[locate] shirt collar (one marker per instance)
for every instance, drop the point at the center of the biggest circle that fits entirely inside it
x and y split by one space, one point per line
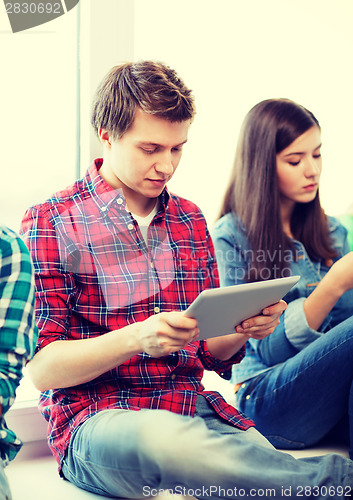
104 195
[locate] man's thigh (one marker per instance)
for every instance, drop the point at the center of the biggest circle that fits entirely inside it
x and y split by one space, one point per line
114 451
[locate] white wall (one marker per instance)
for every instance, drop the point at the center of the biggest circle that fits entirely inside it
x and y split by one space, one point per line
234 54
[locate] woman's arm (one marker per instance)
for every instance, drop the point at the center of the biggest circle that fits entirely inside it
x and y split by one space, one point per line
335 283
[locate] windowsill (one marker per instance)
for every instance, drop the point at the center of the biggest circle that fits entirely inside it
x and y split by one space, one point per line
27 422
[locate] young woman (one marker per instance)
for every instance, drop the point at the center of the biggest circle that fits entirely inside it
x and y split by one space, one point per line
296 383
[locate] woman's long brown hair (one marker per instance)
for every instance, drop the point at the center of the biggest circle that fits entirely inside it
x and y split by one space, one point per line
253 194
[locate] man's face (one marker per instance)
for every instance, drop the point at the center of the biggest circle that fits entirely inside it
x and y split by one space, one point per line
145 158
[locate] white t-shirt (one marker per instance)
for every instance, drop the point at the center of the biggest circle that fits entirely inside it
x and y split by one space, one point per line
144 222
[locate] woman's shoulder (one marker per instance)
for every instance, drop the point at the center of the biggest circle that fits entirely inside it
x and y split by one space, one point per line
229 223
229 228
338 233
335 225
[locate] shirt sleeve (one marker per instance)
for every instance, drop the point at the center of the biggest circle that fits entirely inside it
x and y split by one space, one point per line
296 325
290 336
18 331
54 283
223 368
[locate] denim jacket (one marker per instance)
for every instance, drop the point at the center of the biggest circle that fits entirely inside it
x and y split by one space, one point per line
293 333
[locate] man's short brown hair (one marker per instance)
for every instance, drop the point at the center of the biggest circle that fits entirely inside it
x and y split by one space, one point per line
152 86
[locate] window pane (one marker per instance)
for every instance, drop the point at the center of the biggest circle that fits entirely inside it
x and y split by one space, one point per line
38 130
38 105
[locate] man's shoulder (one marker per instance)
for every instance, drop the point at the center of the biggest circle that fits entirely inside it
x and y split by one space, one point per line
183 205
78 194
59 201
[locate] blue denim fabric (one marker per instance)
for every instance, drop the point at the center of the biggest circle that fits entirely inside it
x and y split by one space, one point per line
296 383
137 454
5 493
302 400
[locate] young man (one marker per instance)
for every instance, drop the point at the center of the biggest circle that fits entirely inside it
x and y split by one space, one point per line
117 259
18 335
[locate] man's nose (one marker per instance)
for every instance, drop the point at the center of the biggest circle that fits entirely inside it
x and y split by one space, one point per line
165 163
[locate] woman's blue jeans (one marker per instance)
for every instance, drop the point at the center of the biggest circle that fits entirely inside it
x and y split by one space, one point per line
309 396
136 454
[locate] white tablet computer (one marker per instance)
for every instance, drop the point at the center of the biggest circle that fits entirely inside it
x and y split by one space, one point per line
219 310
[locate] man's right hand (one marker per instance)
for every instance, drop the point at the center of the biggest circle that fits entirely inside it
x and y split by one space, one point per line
165 333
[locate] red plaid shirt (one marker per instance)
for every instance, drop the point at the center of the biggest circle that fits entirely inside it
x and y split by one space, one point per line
94 273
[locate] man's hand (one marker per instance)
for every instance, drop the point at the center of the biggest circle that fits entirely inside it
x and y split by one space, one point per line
257 327
261 326
165 333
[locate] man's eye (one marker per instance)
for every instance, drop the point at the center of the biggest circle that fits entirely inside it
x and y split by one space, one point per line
148 151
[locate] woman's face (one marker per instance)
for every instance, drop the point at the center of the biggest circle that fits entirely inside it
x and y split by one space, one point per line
299 168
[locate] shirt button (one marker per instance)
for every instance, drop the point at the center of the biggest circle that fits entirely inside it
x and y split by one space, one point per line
243 385
119 201
152 265
248 396
130 227
156 309
104 209
173 377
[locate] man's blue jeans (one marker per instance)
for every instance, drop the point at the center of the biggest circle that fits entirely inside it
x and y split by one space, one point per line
137 454
309 396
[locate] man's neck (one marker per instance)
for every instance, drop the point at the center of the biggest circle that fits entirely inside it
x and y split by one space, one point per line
136 203
141 209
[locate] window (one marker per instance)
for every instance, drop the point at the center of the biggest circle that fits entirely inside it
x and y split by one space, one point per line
39 125
38 103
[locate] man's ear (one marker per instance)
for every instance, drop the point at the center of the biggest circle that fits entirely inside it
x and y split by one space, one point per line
104 137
